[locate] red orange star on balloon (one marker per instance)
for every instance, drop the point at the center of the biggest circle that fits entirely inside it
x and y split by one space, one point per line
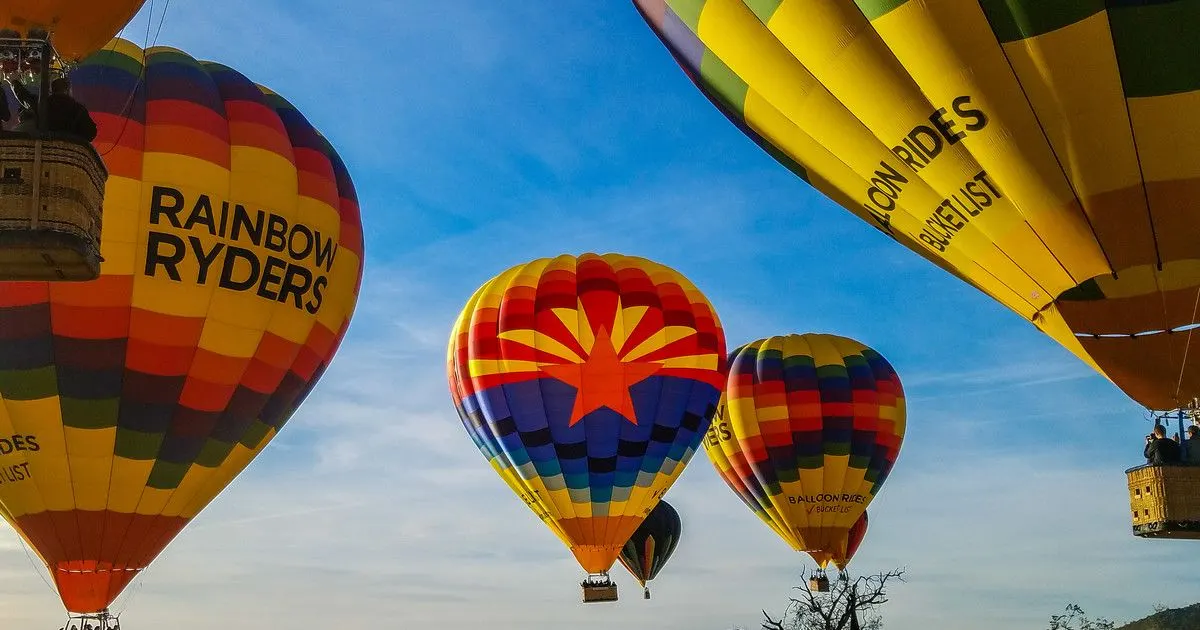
602 379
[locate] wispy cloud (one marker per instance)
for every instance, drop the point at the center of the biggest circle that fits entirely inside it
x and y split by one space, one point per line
1030 373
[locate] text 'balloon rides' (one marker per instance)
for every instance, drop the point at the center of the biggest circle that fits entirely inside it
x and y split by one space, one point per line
651 546
1047 153
809 429
232 260
77 28
588 383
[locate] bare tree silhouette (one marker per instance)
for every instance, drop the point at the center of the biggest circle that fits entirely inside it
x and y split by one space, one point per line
835 610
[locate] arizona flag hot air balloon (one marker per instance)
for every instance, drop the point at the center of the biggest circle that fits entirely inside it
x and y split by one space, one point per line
232 261
1047 153
588 383
76 28
809 429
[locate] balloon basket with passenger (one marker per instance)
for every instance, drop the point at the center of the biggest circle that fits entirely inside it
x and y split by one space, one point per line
51 181
1164 498
598 587
93 621
819 582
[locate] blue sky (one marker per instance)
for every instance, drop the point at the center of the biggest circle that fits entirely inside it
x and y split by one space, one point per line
481 134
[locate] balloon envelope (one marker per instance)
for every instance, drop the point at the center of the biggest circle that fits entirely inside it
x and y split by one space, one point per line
651 546
78 28
232 258
809 429
1047 155
588 383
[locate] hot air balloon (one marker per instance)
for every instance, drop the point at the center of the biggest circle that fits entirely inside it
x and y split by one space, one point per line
588 382
1047 155
232 263
76 29
808 430
648 550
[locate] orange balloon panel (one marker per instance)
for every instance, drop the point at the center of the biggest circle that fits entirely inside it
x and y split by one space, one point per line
77 27
232 260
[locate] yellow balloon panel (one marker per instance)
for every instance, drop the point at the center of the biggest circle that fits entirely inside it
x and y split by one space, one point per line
1046 153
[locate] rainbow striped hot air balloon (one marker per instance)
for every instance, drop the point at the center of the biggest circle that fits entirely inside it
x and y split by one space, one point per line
808 431
588 383
232 261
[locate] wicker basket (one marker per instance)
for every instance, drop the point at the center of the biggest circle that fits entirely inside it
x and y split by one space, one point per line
51 200
1165 501
599 592
818 584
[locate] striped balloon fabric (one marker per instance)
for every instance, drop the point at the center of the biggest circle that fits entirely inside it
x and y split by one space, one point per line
588 383
1047 152
232 260
809 428
650 547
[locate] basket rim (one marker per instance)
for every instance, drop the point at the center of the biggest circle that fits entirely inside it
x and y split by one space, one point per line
52 136
1172 465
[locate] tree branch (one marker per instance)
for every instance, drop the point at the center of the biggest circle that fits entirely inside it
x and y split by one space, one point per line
809 610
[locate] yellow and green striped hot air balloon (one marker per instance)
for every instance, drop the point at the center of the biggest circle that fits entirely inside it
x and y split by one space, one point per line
808 430
1045 151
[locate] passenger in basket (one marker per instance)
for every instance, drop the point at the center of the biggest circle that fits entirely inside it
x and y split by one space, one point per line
1192 445
1160 450
64 114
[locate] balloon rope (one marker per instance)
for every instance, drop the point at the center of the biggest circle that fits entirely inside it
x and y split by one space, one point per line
137 588
1187 346
35 567
146 43
162 17
136 86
